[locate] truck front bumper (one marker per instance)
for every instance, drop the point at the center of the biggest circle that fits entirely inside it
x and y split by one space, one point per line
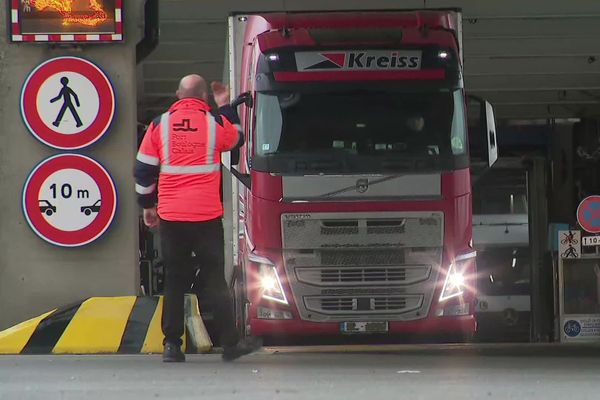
436 326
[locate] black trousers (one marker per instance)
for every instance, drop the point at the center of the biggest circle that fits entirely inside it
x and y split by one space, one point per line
205 239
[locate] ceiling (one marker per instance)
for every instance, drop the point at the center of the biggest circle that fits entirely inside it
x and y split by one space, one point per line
534 59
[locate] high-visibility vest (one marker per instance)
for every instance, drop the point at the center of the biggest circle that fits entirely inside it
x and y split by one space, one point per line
185 146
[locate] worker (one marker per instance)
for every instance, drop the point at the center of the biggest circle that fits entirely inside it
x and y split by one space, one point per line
181 149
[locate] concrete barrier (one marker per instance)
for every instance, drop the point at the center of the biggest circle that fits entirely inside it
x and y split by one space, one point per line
109 325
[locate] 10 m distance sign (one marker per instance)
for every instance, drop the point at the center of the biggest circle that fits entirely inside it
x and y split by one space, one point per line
69 200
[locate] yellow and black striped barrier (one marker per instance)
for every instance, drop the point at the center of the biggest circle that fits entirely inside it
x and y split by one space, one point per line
117 325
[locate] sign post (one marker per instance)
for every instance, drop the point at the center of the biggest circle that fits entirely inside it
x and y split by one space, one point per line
579 277
69 200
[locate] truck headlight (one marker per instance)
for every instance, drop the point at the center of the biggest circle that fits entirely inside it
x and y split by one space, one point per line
454 284
271 285
268 279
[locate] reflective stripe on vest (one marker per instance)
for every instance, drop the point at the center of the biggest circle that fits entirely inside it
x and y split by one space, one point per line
207 168
164 131
212 138
190 169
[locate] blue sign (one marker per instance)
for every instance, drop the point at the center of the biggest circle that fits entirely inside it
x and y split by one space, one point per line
588 214
572 328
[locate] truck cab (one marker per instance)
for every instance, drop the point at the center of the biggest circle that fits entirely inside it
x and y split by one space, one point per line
352 195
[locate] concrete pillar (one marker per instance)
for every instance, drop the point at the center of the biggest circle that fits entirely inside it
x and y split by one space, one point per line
36 276
562 198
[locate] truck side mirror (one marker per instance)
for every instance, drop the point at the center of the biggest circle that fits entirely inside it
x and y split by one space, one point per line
483 142
492 142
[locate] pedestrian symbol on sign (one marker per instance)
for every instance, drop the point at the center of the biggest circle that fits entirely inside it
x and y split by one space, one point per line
66 93
570 253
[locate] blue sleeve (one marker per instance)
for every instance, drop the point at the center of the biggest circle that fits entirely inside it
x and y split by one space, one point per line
232 116
147 169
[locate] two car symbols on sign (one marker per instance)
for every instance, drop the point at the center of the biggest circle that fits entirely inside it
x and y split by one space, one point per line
48 208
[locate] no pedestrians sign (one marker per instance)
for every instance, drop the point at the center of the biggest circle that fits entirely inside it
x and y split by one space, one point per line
67 103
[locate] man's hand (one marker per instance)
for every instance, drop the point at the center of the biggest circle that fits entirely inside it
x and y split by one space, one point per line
151 217
220 93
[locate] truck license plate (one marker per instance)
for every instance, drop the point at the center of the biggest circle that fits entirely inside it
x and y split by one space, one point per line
364 327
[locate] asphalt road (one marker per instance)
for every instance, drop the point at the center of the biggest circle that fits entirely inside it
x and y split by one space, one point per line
348 372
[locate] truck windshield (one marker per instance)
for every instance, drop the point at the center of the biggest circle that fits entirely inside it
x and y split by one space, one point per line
359 132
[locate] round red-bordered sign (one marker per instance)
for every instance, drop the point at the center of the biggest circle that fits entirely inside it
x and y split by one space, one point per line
69 200
588 214
67 103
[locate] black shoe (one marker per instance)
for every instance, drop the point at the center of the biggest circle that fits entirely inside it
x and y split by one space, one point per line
172 353
243 347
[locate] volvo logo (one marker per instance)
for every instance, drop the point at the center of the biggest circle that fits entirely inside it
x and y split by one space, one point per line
362 185
295 224
296 216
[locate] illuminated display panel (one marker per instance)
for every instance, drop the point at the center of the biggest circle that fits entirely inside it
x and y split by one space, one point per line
66 20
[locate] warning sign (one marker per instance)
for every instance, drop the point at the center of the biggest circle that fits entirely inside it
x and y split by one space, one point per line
569 244
588 214
67 103
69 200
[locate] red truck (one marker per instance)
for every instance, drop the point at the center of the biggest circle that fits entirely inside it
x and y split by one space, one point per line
349 209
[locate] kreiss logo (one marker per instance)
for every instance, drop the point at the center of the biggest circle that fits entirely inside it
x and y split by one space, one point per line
359 60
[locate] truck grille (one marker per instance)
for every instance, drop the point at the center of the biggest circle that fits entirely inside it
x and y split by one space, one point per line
362 266
348 305
363 275
338 304
362 257
389 303
324 276
373 227
339 228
